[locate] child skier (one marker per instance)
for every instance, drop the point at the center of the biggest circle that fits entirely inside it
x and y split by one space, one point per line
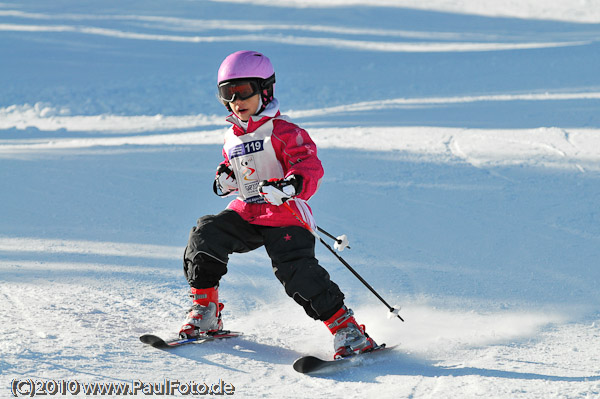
269 161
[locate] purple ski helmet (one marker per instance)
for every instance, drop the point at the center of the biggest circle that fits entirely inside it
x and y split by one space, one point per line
248 66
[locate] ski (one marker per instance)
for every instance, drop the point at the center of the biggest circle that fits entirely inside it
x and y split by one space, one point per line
158 342
313 364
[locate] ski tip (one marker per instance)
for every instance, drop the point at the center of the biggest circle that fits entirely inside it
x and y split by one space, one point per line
153 340
312 364
307 364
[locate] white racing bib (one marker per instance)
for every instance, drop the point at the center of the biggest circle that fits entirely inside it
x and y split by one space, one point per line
253 160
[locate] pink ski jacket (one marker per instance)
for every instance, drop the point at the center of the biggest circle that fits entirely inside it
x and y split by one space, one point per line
271 147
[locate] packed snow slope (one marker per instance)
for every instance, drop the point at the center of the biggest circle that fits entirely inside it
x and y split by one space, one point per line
461 144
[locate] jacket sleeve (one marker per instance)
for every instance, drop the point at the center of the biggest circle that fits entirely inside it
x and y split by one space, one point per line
225 163
297 154
225 159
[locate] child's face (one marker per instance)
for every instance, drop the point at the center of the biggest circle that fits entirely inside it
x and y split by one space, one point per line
243 109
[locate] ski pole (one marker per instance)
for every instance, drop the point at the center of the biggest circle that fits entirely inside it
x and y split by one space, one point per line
358 276
331 236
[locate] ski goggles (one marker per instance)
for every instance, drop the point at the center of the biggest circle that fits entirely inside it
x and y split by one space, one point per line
241 90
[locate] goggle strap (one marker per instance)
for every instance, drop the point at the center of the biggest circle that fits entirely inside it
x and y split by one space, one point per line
268 81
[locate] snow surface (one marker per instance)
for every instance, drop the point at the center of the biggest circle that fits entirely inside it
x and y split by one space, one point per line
461 142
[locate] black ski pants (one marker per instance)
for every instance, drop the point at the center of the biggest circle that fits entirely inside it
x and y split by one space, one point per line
292 253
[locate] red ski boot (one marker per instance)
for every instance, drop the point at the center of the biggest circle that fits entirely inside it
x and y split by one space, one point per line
350 337
204 315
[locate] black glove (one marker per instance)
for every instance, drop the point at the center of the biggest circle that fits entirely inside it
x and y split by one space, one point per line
224 181
278 191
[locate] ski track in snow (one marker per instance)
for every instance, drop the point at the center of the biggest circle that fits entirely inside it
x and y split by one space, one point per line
482 43
296 40
461 144
552 147
564 10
